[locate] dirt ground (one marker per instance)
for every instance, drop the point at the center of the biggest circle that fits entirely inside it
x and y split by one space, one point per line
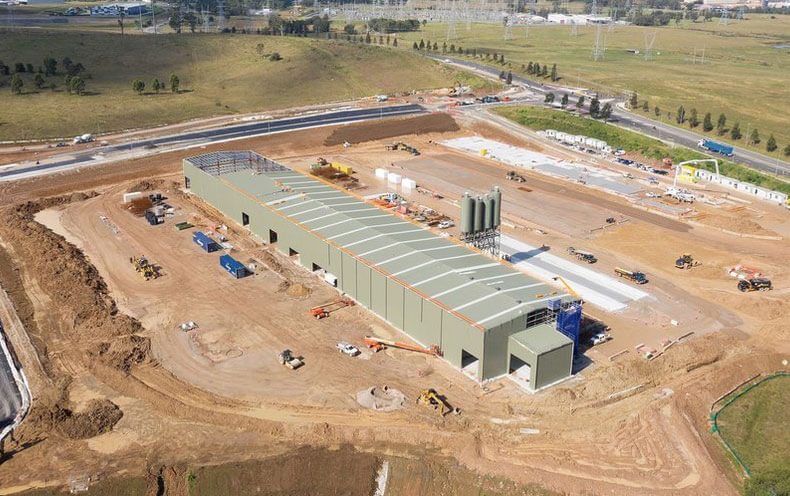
216 394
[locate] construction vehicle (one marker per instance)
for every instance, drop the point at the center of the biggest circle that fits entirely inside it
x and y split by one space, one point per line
323 311
402 146
634 276
288 359
513 176
567 286
321 161
144 267
686 261
584 256
755 284
378 344
433 399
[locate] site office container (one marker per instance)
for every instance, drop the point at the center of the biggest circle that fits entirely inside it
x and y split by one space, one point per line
233 266
205 242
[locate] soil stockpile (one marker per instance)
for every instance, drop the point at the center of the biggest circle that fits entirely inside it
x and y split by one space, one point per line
376 130
88 316
97 418
383 399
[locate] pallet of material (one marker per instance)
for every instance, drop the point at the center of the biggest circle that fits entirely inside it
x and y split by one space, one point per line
183 225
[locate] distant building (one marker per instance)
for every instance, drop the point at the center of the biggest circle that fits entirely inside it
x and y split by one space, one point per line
114 9
578 19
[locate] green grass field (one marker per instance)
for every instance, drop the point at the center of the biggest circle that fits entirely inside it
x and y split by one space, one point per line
756 427
744 76
221 74
538 119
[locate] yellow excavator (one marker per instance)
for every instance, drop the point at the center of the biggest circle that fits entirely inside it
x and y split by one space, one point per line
431 398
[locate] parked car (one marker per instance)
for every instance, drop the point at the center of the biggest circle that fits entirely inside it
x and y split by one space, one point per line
598 339
347 348
445 224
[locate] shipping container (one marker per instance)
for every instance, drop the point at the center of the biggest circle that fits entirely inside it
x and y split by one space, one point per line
233 266
153 219
205 242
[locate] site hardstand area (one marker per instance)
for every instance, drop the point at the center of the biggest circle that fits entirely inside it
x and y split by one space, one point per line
488 318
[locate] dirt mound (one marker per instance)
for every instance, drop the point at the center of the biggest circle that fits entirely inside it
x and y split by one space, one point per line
383 399
298 290
88 316
371 131
735 224
98 417
146 185
124 352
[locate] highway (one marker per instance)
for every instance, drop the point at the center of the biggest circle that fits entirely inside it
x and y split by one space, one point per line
635 122
207 136
10 396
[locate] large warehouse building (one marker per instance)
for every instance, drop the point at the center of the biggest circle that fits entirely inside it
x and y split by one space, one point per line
488 318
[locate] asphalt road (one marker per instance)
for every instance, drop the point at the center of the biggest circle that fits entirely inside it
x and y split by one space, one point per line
637 122
208 136
10 397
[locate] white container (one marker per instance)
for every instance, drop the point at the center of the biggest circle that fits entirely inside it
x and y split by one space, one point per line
394 178
381 173
128 197
408 183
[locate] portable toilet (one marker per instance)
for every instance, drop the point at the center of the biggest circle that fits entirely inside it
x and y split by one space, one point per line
233 266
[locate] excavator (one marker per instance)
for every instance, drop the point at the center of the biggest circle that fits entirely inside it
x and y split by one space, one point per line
430 397
686 261
378 344
323 311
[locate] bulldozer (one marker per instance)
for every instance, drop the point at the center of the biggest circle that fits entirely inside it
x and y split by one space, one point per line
754 284
433 399
686 261
144 267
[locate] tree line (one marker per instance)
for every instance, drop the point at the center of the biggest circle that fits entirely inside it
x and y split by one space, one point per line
43 77
681 116
138 85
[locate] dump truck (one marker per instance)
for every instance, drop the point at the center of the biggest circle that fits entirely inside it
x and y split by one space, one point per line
715 147
685 261
288 359
754 284
584 256
634 276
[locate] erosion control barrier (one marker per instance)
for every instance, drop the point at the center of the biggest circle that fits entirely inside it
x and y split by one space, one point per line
714 416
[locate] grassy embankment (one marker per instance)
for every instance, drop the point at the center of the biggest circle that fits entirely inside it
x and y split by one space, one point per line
743 76
220 75
755 426
538 119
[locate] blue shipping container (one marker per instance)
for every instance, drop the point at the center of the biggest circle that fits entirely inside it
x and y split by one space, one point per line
233 266
205 242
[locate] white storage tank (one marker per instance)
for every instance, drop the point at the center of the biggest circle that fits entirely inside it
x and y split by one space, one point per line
394 178
408 183
381 173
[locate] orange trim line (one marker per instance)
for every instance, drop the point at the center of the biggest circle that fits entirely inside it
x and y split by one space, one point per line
348 252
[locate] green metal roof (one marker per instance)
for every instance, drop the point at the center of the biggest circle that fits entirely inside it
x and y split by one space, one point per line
480 288
541 339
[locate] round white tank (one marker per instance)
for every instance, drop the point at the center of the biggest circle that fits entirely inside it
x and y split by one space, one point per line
394 178
381 173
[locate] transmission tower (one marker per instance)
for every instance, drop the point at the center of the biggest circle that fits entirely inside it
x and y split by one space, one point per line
449 15
574 28
739 15
725 17
220 15
599 48
204 15
650 39
594 8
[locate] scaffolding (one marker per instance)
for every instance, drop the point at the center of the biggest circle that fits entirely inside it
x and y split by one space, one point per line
221 163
